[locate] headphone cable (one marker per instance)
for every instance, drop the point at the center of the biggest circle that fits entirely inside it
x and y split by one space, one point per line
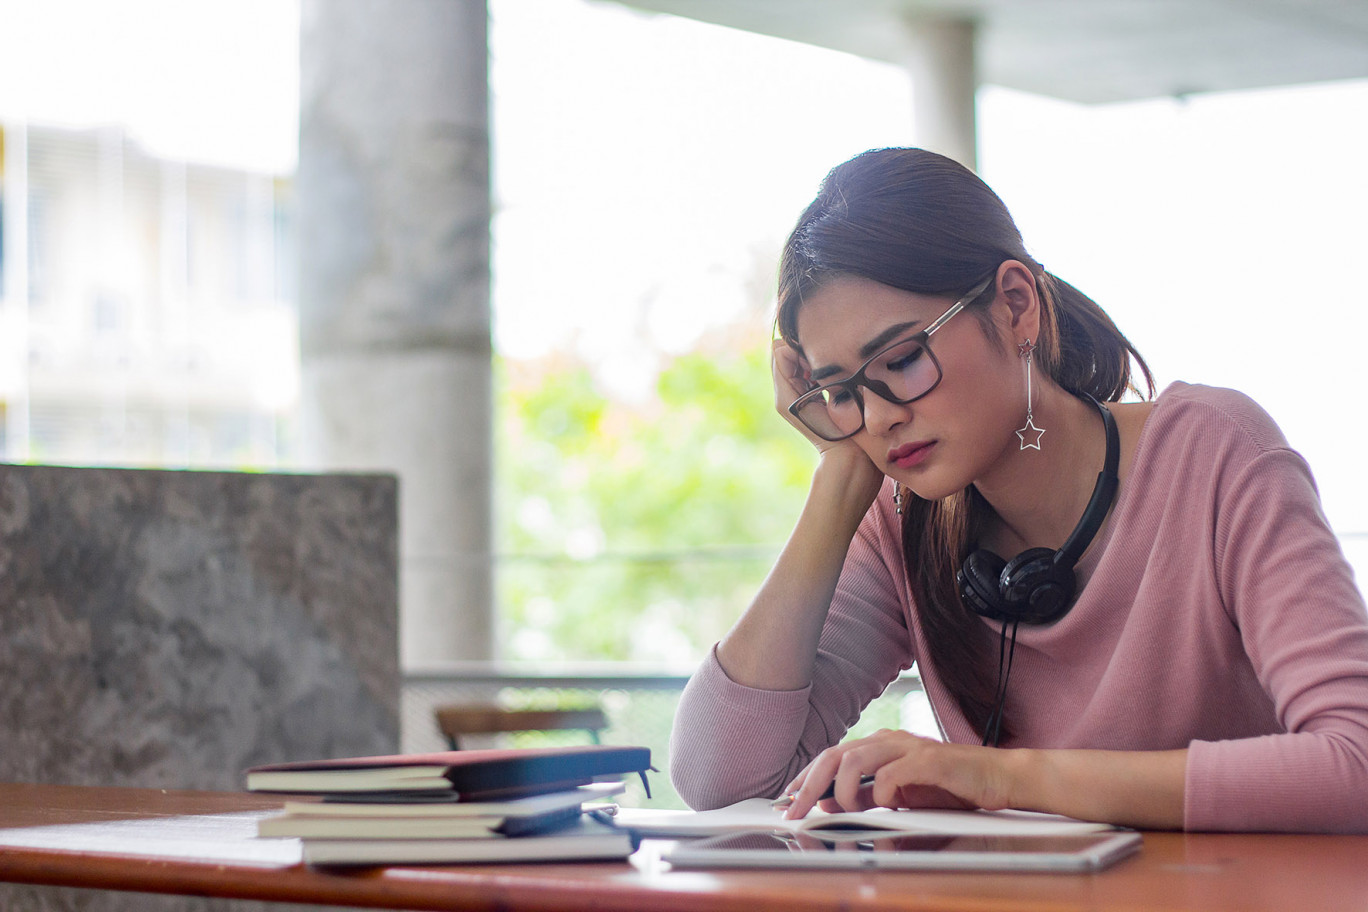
994 727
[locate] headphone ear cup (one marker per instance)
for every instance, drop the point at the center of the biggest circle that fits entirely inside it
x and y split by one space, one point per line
1036 589
980 580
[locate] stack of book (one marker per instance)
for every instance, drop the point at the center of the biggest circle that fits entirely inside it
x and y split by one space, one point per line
453 806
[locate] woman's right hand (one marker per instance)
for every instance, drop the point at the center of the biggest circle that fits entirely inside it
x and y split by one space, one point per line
792 378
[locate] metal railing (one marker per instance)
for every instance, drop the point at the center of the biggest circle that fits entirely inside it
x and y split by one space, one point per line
640 707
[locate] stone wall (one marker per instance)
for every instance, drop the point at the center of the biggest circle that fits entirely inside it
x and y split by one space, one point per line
169 629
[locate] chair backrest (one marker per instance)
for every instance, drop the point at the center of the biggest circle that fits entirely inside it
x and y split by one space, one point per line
459 720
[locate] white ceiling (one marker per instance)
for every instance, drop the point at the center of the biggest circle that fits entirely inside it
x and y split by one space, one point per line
1085 50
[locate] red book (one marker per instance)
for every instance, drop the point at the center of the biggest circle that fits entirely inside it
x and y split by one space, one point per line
474 775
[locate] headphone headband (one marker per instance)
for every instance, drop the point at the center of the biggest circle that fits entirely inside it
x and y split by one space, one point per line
1102 495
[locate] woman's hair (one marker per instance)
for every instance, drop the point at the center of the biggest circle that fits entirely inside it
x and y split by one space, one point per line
918 221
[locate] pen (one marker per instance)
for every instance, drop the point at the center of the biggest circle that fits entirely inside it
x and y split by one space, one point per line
601 813
784 801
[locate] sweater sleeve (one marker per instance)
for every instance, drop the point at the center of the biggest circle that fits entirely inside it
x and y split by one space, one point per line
1291 594
730 742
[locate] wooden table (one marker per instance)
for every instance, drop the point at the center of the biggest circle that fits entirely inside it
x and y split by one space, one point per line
202 843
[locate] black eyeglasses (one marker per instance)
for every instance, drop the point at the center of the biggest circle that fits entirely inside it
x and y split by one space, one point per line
903 372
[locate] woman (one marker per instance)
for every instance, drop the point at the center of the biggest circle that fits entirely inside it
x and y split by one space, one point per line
1188 650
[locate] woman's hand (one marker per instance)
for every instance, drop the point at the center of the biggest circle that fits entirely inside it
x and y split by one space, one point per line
908 772
1143 789
792 378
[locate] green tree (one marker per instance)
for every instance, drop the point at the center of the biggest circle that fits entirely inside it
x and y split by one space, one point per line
639 532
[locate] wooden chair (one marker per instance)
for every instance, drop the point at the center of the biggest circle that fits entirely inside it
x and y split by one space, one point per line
458 720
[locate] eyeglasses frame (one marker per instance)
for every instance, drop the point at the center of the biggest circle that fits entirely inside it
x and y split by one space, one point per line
858 379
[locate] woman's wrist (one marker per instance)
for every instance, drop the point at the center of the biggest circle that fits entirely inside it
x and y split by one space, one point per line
1021 774
846 475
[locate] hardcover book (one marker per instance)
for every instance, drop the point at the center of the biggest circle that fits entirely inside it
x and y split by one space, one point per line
587 839
441 817
470 775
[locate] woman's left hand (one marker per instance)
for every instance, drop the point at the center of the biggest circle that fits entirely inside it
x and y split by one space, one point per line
908 772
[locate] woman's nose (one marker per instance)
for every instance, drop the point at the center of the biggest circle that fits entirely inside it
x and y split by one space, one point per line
881 416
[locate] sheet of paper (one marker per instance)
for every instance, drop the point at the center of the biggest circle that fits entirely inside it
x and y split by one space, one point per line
199 837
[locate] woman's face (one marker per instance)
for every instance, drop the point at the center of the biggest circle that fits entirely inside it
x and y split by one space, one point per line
960 432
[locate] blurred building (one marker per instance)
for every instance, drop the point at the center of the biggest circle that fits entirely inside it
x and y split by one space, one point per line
147 315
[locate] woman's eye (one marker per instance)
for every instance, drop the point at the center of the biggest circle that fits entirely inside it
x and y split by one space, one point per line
838 396
906 359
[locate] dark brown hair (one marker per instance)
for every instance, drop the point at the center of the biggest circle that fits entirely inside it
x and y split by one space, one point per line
921 222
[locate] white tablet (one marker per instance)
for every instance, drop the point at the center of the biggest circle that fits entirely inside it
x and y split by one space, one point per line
882 849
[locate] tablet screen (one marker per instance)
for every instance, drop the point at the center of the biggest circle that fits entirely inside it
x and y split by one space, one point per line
882 849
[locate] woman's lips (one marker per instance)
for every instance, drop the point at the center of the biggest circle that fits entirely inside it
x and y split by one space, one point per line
911 454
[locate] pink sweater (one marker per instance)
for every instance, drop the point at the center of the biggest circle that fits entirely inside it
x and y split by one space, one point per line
1216 613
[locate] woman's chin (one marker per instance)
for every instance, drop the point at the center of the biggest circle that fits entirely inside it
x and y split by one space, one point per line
928 489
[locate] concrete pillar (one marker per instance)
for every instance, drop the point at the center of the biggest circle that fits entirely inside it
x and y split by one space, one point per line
15 291
942 64
394 206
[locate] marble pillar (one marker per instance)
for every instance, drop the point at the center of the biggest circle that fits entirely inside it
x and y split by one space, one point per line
942 63
394 208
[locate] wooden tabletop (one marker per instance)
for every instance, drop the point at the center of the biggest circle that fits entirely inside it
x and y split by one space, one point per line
203 843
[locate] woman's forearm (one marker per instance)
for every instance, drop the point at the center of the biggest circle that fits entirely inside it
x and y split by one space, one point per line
1143 789
774 644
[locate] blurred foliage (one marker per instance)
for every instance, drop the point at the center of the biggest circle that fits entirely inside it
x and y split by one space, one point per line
639 531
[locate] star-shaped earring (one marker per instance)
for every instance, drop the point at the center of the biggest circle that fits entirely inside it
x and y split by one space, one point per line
1026 347
1028 430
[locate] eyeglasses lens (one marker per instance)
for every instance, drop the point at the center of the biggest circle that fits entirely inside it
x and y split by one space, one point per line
899 374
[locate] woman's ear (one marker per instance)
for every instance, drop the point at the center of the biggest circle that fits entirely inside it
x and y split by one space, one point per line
1017 289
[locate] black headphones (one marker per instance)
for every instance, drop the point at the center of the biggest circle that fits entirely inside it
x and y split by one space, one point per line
1037 586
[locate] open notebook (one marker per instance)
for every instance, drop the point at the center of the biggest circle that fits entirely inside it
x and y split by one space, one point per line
759 814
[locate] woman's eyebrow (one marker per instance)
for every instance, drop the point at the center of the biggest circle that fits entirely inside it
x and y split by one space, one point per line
870 348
